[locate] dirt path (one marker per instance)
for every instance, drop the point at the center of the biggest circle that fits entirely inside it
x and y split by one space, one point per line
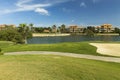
101 58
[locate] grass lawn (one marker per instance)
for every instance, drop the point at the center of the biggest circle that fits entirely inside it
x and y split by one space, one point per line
51 67
4 44
73 47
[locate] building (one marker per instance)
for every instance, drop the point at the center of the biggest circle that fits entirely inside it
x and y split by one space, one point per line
75 29
46 31
105 28
54 29
4 26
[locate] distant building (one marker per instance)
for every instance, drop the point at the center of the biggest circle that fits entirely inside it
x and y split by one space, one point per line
54 29
4 26
105 28
98 29
46 31
75 29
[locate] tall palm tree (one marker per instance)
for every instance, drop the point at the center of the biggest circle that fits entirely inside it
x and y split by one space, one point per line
24 30
31 26
63 27
54 29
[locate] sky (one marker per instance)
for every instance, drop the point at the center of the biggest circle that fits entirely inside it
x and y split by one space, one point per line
68 12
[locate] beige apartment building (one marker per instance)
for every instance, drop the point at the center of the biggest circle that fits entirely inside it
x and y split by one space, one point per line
75 29
105 28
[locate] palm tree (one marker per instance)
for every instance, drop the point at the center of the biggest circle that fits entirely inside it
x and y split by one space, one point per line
31 26
63 27
54 28
24 30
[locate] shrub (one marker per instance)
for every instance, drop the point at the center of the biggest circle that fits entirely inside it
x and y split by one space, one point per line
11 35
89 33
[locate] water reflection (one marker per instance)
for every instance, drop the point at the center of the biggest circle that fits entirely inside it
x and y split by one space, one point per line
58 39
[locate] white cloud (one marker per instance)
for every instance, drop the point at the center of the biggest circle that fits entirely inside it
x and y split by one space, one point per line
20 3
24 4
42 11
27 5
83 4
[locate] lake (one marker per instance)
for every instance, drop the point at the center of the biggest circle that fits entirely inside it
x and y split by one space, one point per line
59 39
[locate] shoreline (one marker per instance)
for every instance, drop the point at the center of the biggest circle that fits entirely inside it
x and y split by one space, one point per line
67 34
46 35
110 34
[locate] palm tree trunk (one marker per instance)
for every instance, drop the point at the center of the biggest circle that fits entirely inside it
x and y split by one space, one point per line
25 40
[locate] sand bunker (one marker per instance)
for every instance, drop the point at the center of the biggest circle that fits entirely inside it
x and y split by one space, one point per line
112 49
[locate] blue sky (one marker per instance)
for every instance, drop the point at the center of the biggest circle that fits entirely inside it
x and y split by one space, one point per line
69 12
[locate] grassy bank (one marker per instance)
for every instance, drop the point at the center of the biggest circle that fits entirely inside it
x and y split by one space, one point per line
49 67
73 47
4 44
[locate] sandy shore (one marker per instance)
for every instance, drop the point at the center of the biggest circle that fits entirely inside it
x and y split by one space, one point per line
112 49
44 35
108 34
66 34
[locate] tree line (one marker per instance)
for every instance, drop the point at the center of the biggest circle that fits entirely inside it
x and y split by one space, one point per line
61 29
19 34
64 29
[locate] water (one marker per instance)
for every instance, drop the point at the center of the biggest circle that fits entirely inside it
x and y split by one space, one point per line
59 39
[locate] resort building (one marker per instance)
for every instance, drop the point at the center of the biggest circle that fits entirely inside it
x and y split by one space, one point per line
105 28
2 27
54 29
75 29
46 31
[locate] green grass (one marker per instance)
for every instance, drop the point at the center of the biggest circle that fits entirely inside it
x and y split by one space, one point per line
73 47
4 44
49 67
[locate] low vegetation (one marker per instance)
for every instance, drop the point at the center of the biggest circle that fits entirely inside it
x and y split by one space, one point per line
73 47
49 67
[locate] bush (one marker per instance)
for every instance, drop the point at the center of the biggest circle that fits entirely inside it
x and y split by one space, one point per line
89 33
11 35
